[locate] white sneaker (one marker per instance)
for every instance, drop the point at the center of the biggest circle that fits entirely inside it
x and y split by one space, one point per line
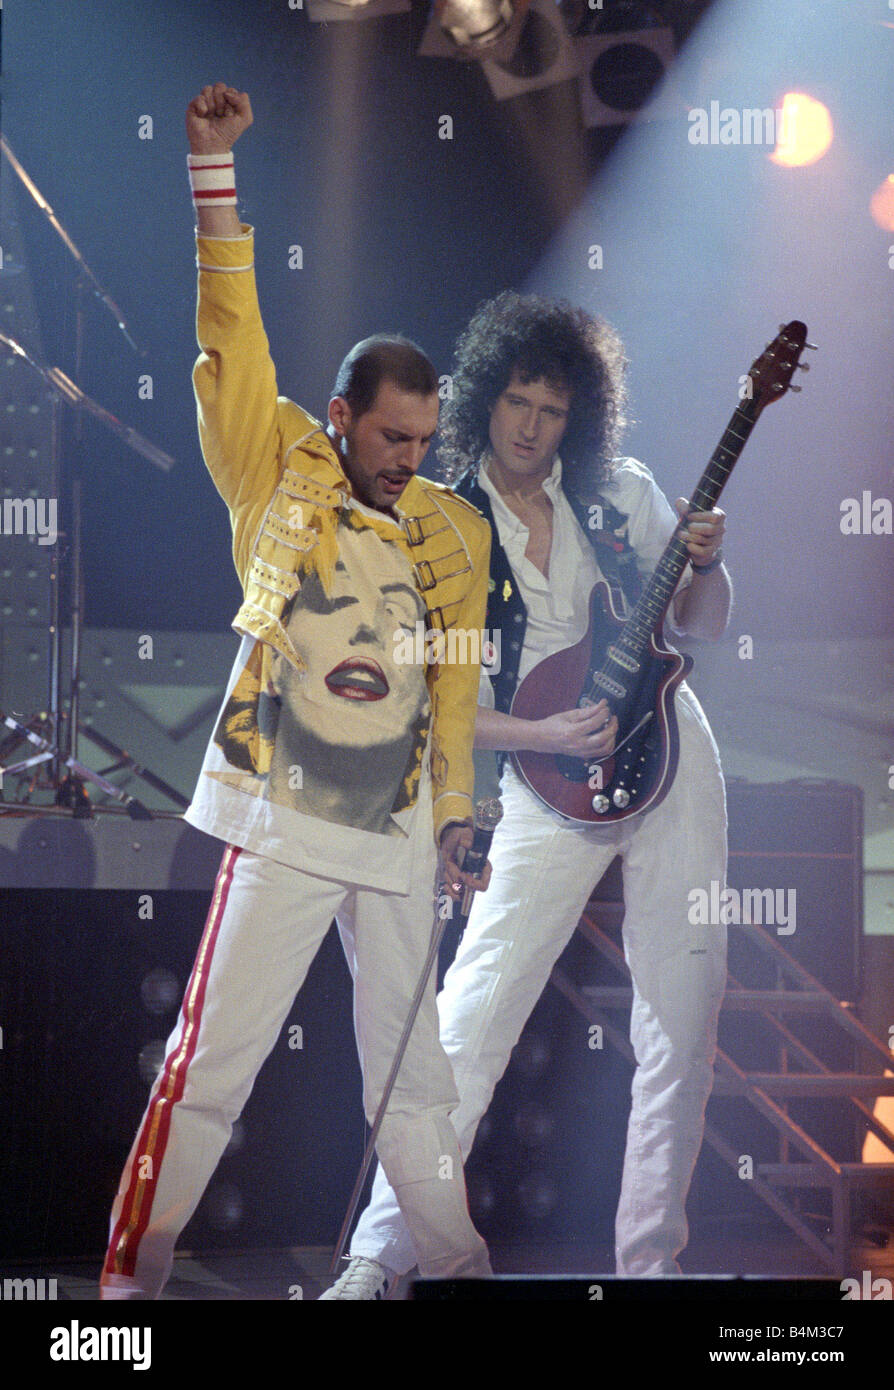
363 1279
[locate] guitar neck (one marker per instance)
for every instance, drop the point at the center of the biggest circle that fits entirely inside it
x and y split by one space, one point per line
659 591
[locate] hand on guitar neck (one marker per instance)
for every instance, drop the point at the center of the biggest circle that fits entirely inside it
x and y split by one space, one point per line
702 609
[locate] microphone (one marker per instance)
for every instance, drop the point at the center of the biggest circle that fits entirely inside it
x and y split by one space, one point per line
488 814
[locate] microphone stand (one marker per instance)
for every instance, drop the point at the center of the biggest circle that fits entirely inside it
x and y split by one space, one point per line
63 743
487 816
60 749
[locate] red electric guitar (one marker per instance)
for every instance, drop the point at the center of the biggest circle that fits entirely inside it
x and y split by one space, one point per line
627 662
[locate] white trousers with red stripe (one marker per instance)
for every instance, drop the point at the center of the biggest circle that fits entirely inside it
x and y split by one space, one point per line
544 871
264 928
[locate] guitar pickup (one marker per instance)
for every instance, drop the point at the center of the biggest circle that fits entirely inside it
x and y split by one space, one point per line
623 659
611 687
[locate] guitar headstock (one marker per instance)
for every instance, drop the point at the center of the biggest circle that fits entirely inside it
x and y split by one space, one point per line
771 374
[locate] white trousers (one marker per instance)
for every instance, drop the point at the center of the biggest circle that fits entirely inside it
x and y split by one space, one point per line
544 871
265 925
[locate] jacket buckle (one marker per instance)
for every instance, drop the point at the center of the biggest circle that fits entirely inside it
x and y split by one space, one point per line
424 575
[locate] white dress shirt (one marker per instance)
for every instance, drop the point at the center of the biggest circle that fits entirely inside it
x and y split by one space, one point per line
558 607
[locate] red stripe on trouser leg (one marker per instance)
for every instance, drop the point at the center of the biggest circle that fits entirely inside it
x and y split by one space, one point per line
168 1089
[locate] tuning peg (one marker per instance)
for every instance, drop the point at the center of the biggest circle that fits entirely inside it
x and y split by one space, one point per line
803 366
796 388
813 347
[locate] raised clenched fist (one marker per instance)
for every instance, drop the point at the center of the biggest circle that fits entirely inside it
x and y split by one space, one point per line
216 118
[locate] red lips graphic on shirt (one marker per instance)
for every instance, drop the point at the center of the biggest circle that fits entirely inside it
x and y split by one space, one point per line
358 678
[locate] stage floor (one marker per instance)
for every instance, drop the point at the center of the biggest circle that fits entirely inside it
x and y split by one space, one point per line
270 1275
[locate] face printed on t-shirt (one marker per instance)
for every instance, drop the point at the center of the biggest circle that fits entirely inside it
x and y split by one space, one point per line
353 692
340 738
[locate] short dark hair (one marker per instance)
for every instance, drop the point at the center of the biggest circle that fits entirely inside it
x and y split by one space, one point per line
540 338
384 357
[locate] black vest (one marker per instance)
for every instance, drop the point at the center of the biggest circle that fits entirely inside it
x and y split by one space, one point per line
506 613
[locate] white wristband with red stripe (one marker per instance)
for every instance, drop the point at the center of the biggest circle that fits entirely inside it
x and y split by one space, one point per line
212 178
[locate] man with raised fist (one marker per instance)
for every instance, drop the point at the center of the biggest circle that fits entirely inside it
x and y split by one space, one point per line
336 770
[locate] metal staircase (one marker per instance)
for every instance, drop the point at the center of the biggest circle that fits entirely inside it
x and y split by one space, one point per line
799 994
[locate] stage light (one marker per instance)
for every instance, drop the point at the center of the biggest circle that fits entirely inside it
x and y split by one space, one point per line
473 29
617 54
623 52
159 991
150 1059
537 1195
874 1149
481 1195
534 1124
541 55
531 1054
618 78
881 204
806 131
222 1206
474 25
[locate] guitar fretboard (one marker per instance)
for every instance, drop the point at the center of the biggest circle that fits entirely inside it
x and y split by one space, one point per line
657 594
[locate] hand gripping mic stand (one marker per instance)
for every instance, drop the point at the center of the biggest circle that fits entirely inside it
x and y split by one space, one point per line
487 816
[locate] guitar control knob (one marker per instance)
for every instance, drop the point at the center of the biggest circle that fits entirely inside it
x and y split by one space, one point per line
600 804
621 798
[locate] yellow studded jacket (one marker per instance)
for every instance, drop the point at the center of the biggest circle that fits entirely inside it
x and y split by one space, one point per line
281 479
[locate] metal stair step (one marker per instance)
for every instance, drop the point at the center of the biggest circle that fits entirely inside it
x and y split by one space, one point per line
777 1000
807 1175
772 1000
808 1084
